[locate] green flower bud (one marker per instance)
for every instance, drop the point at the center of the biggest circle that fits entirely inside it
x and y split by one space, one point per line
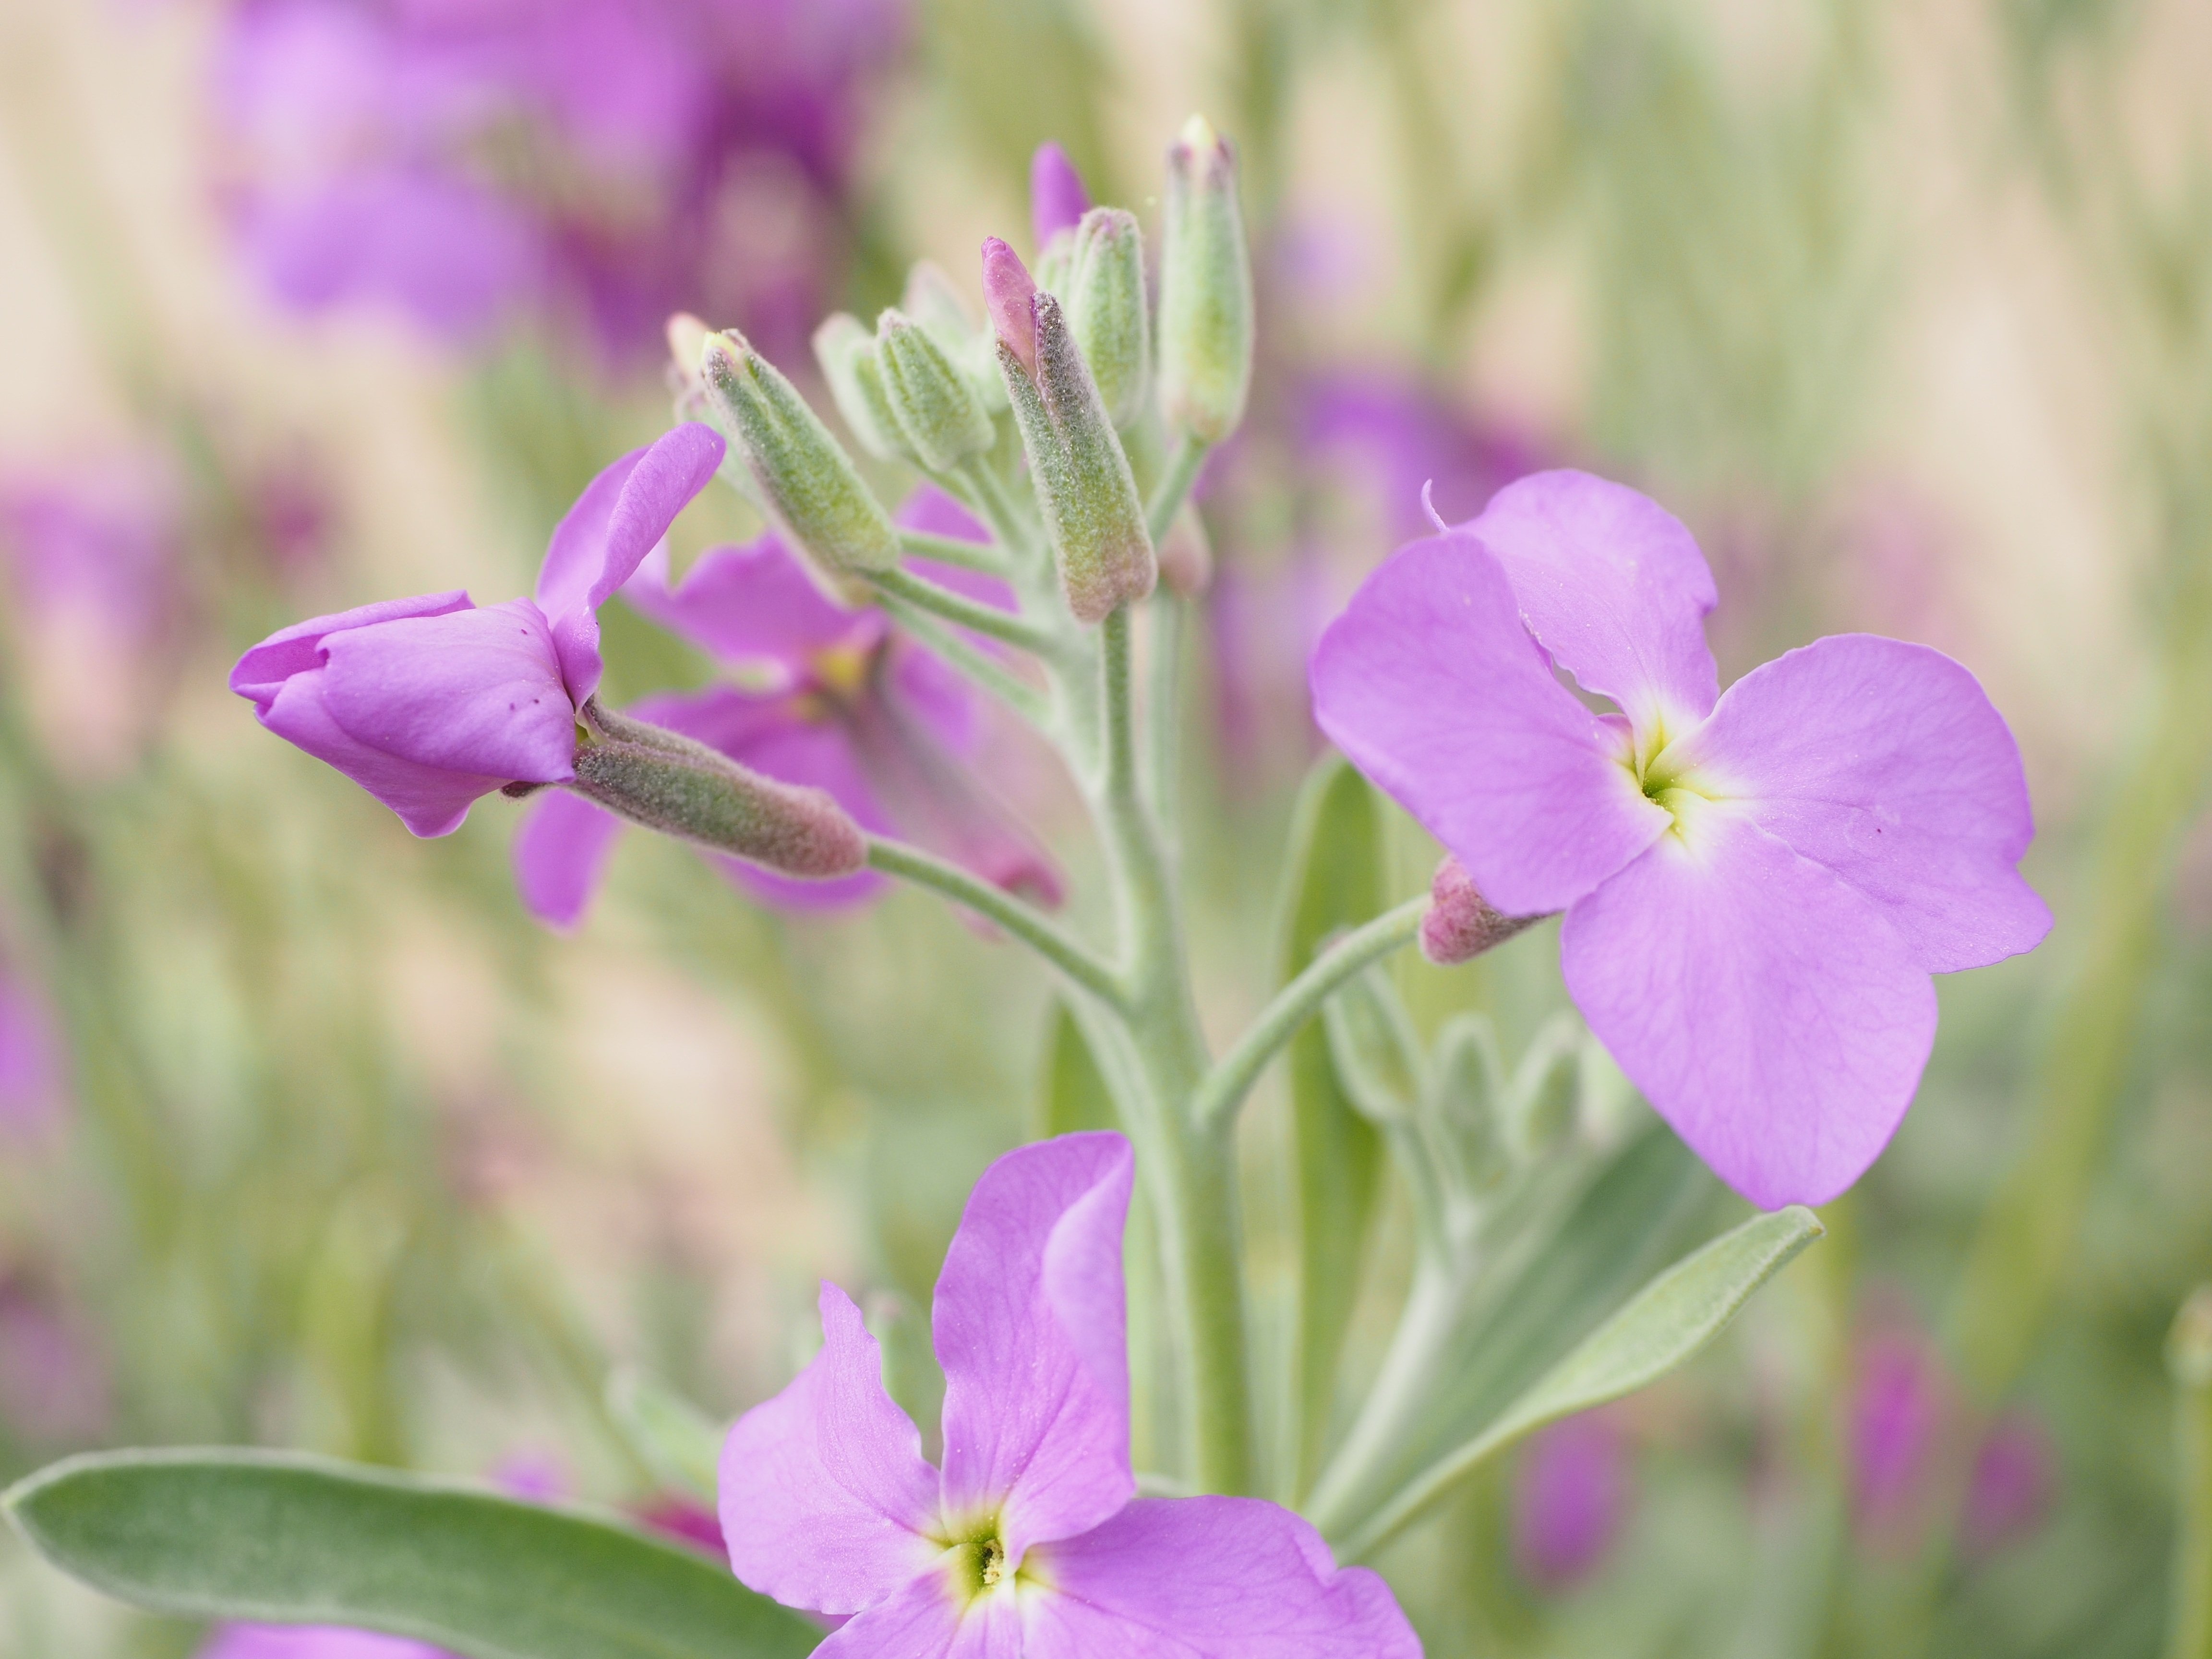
807 484
846 354
665 782
933 300
1092 514
1106 309
1206 290
936 407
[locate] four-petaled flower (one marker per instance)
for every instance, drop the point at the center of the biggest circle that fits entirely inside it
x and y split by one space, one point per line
1031 1539
1756 886
816 694
429 703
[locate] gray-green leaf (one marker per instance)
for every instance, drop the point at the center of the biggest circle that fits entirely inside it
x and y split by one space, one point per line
285 1538
1665 1323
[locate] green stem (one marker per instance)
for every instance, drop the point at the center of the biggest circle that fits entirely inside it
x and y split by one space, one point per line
2189 1359
953 550
987 494
1183 464
965 612
995 904
1164 714
1214 1108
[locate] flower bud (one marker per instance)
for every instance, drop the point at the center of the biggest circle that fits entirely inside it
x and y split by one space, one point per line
1057 197
1187 554
846 354
1206 290
1106 310
1085 491
808 485
936 407
1461 925
665 782
933 300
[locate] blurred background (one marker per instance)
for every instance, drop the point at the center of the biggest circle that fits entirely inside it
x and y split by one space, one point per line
310 1136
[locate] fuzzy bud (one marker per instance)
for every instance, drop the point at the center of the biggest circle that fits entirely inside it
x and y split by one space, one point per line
935 406
665 782
1008 294
935 302
1186 555
807 484
1461 925
1088 496
1206 290
1106 309
845 353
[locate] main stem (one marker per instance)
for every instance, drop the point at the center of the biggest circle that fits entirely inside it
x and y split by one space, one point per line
1191 1167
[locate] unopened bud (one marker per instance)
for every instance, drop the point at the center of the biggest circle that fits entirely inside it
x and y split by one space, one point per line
1471 1101
1085 491
1187 554
1008 294
807 484
1106 311
1460 925
1057 197
936 407
845 353
935 302
1206 288
667 782
686 340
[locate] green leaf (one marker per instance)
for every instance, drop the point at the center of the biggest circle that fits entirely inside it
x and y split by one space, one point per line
1665 1323
1075 1093
672 1437
1335 879
286 1538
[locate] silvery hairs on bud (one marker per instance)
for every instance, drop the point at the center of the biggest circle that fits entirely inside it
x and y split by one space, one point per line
1092 514
935 406
1104 298
845 353
1461 924
1206 290
807 484
667 782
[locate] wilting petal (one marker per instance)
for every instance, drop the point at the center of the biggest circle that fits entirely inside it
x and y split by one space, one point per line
1764 1006
1886 762
826 1503
1613 586
474 691
1029 1325
261 673
1209 1578
561 856
1429 682
754 602
620 516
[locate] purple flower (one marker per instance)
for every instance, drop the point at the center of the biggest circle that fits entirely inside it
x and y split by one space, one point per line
611 160
53 1383
1569 1497
32 1091
1756 885
822 697
1058 200
1030 1539
2009 1496
1897 1411
312 1642
430 702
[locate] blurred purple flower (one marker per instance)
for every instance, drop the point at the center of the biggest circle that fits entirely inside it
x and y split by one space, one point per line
1570 1496
53 1386
689 1523
430 702
1758 885
2014 1478
607 161
822 697
312 1642
1391 438
1896 1409
1031 1537
33 1086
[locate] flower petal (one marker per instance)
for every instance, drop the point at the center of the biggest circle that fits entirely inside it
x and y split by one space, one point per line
1765 1005
620 516
1028 1325
261 673
826 1503
1429 682
474 691
754 602
1613 585
561 856
1209 1578
1886 762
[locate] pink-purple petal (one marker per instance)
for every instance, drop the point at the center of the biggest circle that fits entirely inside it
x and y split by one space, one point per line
826 1503
1613 585
619 518
1209 1578
262 671
1766 1007
477 692
1886 762
1429 684
754 603
430 800
920 1620
560 855
1028 1323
